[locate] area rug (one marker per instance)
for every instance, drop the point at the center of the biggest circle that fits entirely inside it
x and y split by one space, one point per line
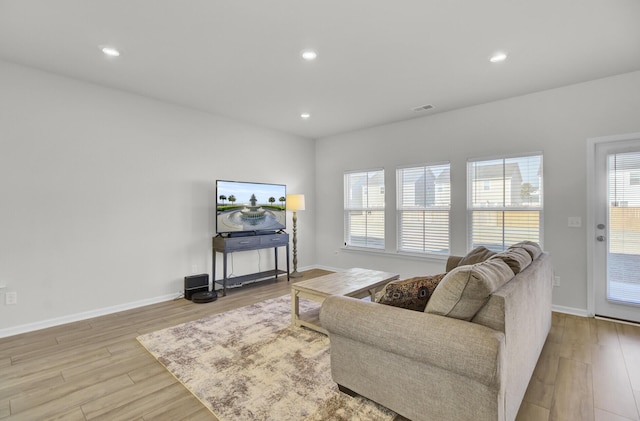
251 364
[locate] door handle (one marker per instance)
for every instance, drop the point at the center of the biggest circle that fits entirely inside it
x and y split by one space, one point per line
600 238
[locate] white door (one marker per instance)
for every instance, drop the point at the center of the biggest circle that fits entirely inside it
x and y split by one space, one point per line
616 268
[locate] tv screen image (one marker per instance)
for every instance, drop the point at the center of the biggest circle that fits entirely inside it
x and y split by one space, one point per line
244 206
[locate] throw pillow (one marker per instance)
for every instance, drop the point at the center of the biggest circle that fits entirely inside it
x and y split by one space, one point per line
517 259
412 294
477 255
466 289
531 247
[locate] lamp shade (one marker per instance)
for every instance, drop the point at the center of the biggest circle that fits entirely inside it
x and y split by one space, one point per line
295 202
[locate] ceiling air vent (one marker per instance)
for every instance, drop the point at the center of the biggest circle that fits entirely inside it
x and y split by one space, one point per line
423 108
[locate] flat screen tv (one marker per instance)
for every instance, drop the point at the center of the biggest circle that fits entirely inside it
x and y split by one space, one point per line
244 207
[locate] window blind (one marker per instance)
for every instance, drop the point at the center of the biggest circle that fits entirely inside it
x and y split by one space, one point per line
424 204
623 254
364 200
504 201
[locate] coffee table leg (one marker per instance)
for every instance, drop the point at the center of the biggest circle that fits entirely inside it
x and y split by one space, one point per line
295 308
372 293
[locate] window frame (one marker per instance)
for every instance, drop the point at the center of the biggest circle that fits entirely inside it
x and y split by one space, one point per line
402 209
504 208
370 242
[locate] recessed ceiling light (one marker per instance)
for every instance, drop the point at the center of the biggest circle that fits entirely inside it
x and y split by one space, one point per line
305 115
110 51
498 57
309 55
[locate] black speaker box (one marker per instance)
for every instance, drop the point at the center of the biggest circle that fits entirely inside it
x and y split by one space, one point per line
194 284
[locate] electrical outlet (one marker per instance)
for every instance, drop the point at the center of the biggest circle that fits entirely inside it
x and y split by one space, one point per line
194 269
11 298
556 281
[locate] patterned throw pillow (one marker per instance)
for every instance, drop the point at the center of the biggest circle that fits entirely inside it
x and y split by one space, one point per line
412 293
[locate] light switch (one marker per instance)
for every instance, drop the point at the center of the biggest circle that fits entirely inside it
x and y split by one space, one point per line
575 221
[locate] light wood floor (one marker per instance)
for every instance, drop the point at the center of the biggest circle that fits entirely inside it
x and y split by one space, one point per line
589 370
96 369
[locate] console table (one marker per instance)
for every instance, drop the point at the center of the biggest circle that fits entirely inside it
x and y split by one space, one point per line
226 245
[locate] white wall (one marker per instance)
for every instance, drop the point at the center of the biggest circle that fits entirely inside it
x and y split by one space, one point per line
557 122
107 198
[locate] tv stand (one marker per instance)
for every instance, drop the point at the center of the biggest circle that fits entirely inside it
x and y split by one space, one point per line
231 244
251 233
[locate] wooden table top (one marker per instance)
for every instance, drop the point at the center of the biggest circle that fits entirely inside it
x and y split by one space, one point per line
350 282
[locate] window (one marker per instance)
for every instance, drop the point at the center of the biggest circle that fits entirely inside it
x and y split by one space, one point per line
623 240
424 202
364 209
504 201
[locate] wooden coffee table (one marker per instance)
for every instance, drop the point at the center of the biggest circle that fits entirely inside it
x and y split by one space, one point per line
356 282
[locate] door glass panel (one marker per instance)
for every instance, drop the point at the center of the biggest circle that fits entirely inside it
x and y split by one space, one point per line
623 252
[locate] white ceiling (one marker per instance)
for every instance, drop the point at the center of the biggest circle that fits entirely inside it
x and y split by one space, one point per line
377 59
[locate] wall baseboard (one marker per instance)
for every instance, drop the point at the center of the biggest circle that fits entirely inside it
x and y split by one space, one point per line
571 310
30 327
329 268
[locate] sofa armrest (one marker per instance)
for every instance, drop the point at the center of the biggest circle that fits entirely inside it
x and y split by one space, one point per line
453 262
462 347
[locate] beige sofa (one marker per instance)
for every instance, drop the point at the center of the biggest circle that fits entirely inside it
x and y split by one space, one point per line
432 366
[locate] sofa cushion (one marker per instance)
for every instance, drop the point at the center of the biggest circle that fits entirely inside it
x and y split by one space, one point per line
477 255
412 293
464 290
531 247
517 259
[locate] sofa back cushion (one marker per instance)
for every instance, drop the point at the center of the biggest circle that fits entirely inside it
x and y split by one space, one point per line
530 247
516 258
477 255
464 290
